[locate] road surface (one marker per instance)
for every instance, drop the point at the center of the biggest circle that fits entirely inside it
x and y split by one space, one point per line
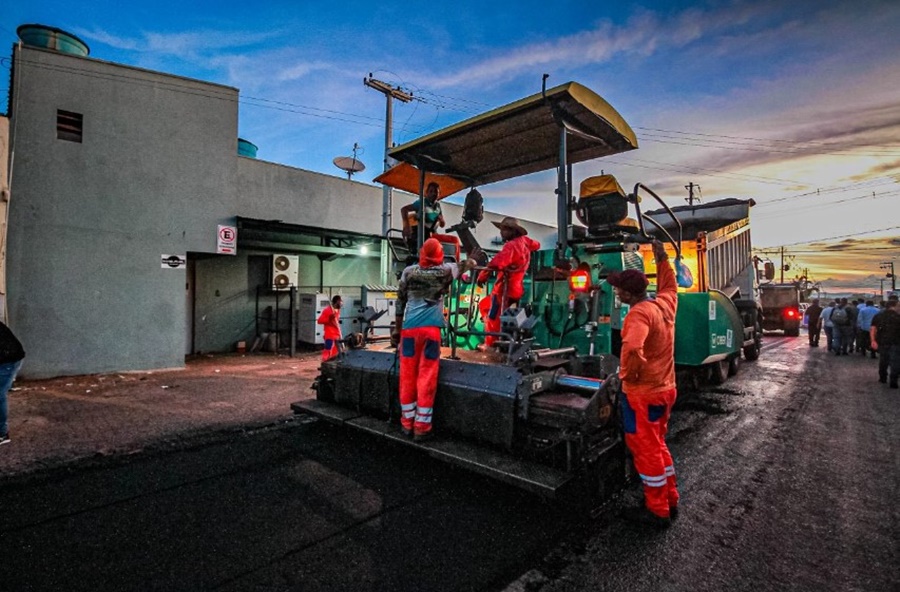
788 474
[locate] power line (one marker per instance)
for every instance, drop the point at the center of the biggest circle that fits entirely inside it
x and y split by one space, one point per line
697 144
832 238
744 140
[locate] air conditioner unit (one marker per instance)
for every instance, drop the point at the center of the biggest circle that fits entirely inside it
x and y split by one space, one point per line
285 271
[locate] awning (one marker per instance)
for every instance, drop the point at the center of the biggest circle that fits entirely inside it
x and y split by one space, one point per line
522 137
406 177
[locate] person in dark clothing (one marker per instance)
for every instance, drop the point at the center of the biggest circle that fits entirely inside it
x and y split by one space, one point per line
813 314
11 356
844 327
884 336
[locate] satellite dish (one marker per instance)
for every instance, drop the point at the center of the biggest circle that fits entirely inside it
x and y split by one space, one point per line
350 164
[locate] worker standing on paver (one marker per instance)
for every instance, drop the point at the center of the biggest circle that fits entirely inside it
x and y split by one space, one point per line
331 319
510 264
647 372
417 333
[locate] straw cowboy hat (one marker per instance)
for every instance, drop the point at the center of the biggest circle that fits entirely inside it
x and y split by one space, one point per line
510 222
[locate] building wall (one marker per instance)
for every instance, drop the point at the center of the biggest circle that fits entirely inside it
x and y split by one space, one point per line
89 222
155 174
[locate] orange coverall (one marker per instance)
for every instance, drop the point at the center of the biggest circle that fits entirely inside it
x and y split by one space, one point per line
647 370
514 259
331 318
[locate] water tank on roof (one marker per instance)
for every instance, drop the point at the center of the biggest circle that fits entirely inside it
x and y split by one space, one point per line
246 148
52 38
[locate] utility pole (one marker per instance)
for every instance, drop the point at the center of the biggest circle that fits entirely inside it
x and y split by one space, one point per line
389 93
890 265
690 187
782 266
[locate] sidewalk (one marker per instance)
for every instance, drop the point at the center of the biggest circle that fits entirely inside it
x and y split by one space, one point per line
60 420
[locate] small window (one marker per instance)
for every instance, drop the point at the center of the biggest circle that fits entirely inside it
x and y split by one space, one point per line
69 125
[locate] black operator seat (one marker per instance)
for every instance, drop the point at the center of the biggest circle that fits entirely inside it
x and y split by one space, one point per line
603 207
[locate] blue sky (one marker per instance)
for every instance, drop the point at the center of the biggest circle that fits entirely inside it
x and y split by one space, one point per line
795 104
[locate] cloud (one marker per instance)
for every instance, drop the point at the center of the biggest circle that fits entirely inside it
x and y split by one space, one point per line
191 43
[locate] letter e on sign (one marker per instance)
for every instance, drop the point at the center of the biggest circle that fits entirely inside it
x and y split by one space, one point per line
226 240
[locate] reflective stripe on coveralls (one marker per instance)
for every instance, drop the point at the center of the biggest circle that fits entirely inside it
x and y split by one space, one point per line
408 411
420 356
645 419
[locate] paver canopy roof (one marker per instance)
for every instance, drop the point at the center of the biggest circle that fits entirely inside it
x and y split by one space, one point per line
522 137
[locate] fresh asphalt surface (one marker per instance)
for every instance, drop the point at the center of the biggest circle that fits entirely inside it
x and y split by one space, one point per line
788 473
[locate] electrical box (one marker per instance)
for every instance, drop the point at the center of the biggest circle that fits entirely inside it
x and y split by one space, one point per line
309 307
381 298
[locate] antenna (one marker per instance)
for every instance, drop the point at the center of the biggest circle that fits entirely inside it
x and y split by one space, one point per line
350 164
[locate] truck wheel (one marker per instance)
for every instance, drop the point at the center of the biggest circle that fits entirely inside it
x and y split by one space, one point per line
718 372
751 352
734 364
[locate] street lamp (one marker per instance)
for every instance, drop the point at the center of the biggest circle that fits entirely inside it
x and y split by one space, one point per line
890 265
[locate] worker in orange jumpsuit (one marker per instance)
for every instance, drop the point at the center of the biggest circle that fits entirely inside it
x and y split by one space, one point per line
417 332
510 264
331 319
647 371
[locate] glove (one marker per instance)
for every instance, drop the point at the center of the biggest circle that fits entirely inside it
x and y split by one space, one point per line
483 276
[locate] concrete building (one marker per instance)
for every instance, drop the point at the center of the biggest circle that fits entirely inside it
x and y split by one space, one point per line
112 170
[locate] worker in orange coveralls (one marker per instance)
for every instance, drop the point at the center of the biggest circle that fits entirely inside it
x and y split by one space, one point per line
331 318
417 332
513 259
647 371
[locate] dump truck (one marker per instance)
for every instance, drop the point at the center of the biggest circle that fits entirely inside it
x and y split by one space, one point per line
781 308
540 409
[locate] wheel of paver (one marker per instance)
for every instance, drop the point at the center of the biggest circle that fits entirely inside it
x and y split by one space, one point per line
718 372
734 364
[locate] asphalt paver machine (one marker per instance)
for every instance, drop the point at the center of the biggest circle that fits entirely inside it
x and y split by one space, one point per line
539 410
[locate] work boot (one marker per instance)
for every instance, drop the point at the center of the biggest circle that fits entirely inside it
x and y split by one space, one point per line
4 439
407 432
673 513
422 437
644 517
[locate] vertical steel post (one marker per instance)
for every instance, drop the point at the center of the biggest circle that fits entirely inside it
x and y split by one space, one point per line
562 198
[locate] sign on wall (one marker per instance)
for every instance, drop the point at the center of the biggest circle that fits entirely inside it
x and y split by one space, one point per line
226 240
173 261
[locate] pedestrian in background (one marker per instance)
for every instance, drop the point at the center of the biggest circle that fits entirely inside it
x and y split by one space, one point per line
884 336
11 356
853 316
863 325
843 328
813 326
647 371
331 319
828 326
